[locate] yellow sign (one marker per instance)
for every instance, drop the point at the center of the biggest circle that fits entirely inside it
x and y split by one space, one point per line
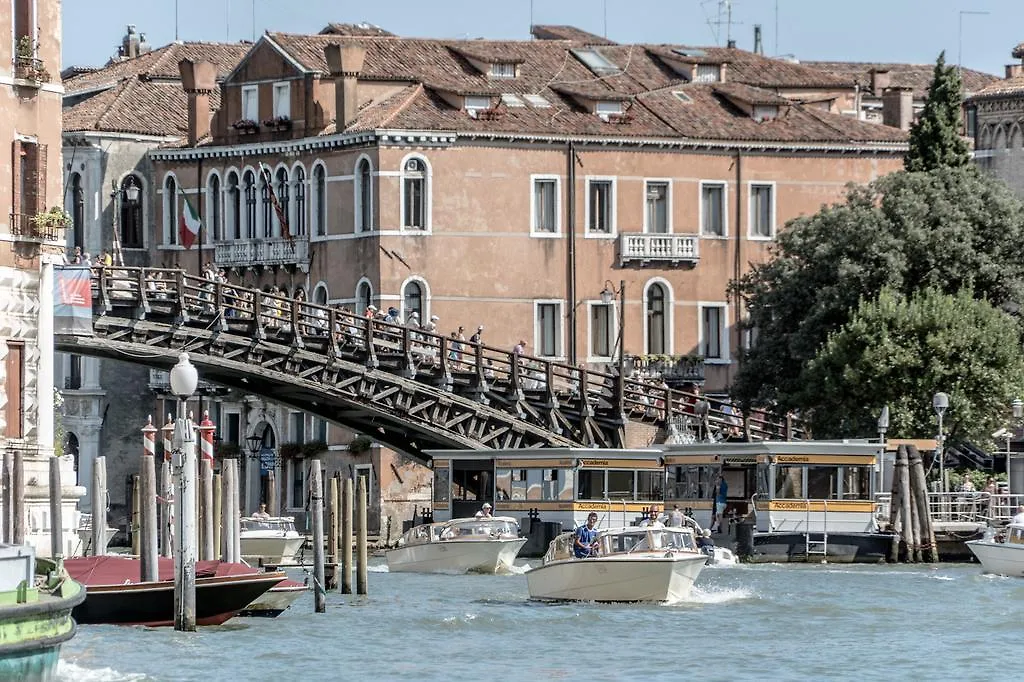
621 463
533 463
866 506
440 463
694 459
540 505
825 459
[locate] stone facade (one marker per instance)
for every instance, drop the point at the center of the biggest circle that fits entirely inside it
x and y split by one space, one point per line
995 119
30 104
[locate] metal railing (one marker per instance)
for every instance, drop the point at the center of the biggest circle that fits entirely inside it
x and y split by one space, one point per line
264 251
959 507
418 353
672 248
23 226
1003 507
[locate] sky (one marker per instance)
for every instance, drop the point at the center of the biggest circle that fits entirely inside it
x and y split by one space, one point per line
861 30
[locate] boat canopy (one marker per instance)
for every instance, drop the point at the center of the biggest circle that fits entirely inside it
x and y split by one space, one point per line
275 523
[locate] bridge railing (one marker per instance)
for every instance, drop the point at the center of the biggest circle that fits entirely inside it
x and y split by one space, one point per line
471 365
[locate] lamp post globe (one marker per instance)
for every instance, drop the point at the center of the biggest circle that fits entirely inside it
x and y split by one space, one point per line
607 295
254 443
184 377
940 402
1018 408
131 194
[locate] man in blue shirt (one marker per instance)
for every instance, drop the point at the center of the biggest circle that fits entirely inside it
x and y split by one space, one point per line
585 543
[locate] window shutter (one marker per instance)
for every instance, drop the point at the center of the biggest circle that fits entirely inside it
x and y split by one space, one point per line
39 184
16 178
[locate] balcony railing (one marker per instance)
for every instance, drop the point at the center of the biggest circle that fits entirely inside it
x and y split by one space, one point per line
266 251
23 226
31 70
675 370
662 248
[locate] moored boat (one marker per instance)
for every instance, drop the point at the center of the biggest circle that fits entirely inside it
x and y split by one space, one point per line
116 596
1002 554
36 601
653 564
469 545
269 540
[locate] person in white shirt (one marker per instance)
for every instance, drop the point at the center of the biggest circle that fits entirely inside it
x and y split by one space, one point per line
485 511
675 518
652 520
1018 519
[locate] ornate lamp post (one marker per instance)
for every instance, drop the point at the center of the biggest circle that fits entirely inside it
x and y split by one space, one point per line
883 426
608 294
184 379
1018 415
940 403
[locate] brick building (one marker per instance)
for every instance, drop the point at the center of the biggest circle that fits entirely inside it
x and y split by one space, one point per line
995 115
30 105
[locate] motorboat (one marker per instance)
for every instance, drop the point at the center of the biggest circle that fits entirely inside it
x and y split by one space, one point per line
632 564
1002 554
469 545
115 595
36 601
269 540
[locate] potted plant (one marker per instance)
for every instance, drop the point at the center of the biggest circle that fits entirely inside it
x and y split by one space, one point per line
26 65
278 123
246 126
360 445
48 222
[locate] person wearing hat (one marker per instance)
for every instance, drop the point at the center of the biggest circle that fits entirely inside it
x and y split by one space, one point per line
704 539
431 324
370 312
485 511
414 320
476 337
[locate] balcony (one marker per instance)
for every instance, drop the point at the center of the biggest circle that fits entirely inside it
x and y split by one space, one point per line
26 226
266 252
659 248
30 71
674 370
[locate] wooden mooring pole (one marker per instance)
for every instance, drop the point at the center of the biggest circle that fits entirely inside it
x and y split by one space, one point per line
333 518
920 489
361 568
316 508
228 477
902 474
209 547
99 506
7 478
218 514
346 536
18 495
56 515
148 529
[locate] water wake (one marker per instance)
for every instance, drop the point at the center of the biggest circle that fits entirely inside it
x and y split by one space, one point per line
377 568
718 595
69 672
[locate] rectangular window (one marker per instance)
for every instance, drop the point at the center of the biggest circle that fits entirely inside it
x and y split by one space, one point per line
25 21
548 324
708 73
297 487
298 427
503 70
74 379
590 484
29 181
656 195
713 345
600 206
607 108
233 432
650 485
319 430
762 211
477 103
545 206
14 385
250 103
602 334
415 206
282 100
442 486
621 485
712 209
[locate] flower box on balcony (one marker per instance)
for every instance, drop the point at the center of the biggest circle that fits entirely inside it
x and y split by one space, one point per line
246 126
278 123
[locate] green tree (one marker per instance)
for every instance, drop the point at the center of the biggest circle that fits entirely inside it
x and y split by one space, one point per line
898 351
949 229
935 139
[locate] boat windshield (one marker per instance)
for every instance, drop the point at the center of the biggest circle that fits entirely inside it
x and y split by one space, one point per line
283 524
645 540
476 529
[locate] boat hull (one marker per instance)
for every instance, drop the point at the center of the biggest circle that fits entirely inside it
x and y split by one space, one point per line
217 600
999 558
455 556
627 578
31 634
843 548
274 601
271 551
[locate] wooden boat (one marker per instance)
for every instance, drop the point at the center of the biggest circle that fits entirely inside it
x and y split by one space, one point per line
1002 554
651 564
37 599
468 545
116 596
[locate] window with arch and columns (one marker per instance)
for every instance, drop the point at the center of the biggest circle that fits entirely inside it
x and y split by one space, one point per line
266 220
364 196
233 208
132 228
298 216
282 190
364 297
249 182
413 299
656 303
213 219
415 194
320 200
320 296
170 210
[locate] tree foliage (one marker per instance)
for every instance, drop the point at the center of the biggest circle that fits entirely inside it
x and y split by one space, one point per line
898 351
935 139
946 229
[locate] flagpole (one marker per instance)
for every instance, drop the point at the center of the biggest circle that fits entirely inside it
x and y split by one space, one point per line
200 196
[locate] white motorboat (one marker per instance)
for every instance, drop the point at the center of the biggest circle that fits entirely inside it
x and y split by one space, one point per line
654 564
458 546
269 540
1002 554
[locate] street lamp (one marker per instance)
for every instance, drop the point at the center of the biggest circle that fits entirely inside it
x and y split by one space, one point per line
883 426
255 444
940 403
184 379
607 296
1018 414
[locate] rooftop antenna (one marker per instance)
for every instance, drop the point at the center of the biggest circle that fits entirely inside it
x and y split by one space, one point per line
253 21
776 27
531 19
724 9
605 18
227 21
175 20
960 37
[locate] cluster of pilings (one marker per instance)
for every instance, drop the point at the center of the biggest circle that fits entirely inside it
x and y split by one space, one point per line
910 521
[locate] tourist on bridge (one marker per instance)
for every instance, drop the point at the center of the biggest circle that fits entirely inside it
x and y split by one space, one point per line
584 543
431 324
393 317
485 511
520 348
476 337
370 312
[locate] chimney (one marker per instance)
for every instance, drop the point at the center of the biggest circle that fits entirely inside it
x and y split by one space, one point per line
898 107
346 62
1014 70
198 79
880 81
731 44
758 46
130 43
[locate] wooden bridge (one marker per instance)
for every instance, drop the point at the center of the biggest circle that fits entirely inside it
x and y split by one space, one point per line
406 388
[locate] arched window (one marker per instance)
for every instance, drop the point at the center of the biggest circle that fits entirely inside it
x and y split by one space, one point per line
282 199
320 295
233 209
320 200
412 300
249 183
298 218
170 210
267 206
364 197
364 297
77 210
131 213
415 195
213 212
657 323
72 448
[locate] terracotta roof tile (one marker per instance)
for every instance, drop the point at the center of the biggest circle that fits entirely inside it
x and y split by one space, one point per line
363 29
755 69
1000 88
134 106
917 77
556 32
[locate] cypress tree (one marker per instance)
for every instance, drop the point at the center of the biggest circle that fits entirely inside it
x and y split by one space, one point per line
935 139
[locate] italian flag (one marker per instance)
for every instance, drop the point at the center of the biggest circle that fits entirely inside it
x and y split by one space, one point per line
188 225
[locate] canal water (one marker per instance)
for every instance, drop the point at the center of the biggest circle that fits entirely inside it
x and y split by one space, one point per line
794 622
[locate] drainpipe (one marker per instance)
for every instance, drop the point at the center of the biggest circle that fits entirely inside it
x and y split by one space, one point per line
571 250
737 314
